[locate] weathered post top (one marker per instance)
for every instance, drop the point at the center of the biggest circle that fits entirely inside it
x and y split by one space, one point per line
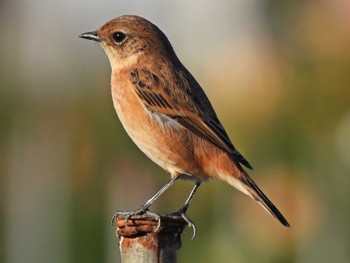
142 239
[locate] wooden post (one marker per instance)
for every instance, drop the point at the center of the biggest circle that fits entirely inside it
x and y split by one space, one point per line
142 240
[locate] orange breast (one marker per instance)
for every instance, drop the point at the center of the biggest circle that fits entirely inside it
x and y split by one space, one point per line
161 139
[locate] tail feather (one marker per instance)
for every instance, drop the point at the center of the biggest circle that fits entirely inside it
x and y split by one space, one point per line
262 199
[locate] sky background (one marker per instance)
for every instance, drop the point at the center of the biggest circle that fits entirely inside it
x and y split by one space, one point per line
278 75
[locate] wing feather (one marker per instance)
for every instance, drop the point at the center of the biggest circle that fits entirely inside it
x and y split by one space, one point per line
183 100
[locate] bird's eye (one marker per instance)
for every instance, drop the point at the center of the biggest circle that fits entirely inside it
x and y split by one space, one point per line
118 37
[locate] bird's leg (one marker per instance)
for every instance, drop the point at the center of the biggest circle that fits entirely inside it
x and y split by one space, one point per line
182 211
144 208
150 201
184 208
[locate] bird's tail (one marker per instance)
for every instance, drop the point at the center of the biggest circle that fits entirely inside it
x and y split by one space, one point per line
246 185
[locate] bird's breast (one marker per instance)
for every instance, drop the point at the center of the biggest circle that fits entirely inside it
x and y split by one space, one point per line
163 140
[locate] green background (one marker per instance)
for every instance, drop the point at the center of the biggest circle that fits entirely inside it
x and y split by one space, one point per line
278 75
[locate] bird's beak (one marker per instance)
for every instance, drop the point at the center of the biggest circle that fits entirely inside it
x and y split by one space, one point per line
91 36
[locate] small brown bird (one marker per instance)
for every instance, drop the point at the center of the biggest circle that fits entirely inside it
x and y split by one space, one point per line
167 114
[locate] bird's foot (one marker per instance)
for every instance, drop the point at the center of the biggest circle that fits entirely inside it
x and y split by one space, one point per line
126 215
182 213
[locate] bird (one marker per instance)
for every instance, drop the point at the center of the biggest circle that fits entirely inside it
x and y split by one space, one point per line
167 114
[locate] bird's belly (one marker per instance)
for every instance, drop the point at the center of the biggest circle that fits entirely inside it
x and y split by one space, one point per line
163 140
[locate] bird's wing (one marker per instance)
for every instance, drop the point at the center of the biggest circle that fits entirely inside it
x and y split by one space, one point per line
182 99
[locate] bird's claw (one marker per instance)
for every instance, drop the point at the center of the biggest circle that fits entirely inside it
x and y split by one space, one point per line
126 215
190 223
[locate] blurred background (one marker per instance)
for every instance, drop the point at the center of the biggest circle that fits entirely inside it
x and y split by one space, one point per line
278 75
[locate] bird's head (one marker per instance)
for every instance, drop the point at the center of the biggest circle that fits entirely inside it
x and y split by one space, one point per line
127 38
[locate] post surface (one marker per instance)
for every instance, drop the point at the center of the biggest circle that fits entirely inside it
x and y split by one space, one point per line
142 240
